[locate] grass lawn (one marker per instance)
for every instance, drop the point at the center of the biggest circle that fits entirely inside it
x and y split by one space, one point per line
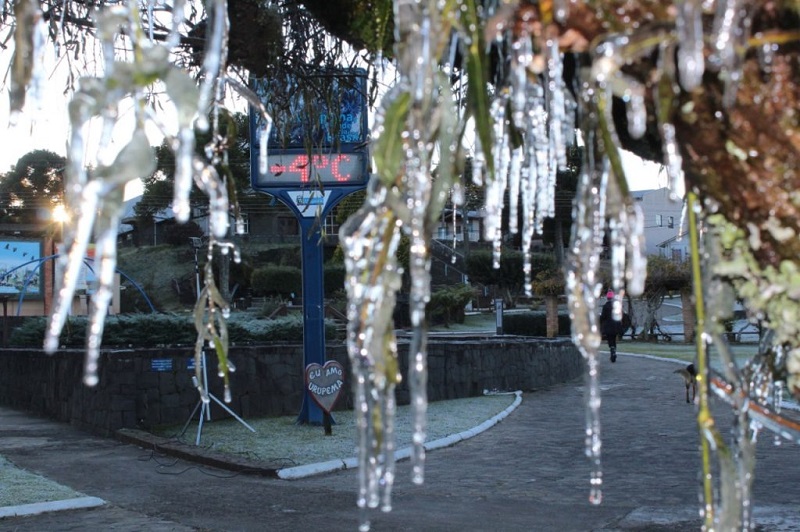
23 487
285 443
485 322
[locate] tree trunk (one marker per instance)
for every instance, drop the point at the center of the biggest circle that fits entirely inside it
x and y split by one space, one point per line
558 242
551 317
689 315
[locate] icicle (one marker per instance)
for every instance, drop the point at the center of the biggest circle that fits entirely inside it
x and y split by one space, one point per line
583 289
150 19
766 56
556 108
636 264
178 17
561 10
528 188
541 151
184 157
495 190
370 240
255 102
105 266
513 189
725 21
209 182
691 62
27 37
72 264
729 32
213 61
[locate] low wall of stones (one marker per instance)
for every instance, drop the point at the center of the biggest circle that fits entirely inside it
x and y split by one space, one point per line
144 388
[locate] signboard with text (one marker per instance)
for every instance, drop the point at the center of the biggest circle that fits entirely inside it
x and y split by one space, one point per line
325 383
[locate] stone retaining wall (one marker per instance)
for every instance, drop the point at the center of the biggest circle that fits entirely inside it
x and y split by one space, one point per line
148 387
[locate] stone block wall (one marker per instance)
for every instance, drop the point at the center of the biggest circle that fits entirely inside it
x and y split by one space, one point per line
149 387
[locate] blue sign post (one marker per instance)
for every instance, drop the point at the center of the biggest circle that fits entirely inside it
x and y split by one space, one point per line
312 181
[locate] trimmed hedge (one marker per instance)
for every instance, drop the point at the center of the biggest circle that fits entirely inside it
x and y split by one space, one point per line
334 275
277 280
534 324
153 330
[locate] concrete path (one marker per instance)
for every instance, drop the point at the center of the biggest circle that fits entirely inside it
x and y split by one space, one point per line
528 473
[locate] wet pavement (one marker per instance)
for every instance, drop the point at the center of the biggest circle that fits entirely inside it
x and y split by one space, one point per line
528 473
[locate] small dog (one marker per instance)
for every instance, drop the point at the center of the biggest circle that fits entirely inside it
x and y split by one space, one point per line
689 375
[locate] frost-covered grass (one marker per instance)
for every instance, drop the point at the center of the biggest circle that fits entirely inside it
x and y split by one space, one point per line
282 442
681 351
23 487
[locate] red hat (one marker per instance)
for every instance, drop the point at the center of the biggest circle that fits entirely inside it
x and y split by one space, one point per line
610 294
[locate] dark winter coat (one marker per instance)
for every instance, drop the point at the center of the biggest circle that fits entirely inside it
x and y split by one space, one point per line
608 326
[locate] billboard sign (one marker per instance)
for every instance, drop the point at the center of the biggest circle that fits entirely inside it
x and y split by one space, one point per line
20 271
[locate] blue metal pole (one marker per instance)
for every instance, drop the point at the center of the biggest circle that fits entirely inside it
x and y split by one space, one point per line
313 310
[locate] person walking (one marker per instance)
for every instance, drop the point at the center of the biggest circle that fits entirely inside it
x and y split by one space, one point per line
609 327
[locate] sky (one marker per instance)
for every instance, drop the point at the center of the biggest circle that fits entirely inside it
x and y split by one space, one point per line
47 128
44 125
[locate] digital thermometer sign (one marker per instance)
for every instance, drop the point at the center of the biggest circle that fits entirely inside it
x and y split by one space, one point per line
298 168
318 131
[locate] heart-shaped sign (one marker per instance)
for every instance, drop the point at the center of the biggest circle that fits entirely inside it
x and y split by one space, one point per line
325 383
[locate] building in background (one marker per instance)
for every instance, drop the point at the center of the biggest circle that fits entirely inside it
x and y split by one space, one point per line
662 223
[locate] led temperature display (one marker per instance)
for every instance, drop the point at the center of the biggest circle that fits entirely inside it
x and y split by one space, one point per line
299 168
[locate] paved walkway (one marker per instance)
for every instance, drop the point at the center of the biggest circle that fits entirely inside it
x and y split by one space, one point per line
528 473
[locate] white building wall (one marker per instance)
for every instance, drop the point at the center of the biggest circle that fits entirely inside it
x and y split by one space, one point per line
662 223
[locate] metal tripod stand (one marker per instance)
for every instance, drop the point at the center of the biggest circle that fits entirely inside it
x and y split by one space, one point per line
205 406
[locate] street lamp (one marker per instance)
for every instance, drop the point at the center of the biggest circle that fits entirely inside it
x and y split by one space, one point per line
196 243
60 215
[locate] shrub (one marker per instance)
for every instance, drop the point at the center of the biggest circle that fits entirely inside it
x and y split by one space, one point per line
153 330
447 304
277 280
271 304
280 256
178 235
548 279
334 279
533 324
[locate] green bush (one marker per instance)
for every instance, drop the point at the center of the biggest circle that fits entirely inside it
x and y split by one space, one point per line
153 330
178 235
447 304
277 281
280 256
334 279
533 324
271 304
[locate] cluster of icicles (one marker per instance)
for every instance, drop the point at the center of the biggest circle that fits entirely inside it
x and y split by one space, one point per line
543 110
94 198
402 197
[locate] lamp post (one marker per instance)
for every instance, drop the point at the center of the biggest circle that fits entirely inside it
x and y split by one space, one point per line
58 215
196 243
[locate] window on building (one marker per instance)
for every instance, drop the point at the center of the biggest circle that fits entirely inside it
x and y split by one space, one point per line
670 222
244 227
659 220
331 227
